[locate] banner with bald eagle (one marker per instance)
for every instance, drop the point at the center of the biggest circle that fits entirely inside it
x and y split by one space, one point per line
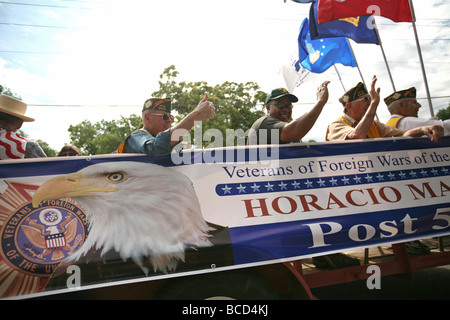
86 221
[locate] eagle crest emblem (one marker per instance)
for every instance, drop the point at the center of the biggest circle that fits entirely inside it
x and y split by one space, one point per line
52 234
35 240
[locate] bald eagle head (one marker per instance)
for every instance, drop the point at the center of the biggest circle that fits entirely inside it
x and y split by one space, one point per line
140 210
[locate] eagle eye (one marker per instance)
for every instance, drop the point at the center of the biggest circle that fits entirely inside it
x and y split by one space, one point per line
116 177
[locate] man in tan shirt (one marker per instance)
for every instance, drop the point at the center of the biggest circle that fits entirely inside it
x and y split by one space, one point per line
358 122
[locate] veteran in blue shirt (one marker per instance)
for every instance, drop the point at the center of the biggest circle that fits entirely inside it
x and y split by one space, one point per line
157 138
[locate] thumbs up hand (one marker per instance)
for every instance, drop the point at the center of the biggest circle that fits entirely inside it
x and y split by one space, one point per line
205 109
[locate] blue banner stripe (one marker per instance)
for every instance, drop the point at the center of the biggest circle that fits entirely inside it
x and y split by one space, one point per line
232 189
24 168
283 240
29 168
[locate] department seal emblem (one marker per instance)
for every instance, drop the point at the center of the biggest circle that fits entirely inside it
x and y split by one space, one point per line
35 240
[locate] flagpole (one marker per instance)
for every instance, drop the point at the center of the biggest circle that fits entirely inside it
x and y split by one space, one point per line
357 66
384 55
420 57
339 76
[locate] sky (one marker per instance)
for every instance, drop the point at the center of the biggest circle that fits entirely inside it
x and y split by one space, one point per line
91 60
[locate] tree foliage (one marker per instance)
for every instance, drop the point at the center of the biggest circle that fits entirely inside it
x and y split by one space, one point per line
7 91
235 103
444 114
49 152
104 136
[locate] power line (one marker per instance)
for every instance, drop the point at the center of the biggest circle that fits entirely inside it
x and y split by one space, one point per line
38 26
442 97
415 61
46 5
85 105
32 52
83 28
140 105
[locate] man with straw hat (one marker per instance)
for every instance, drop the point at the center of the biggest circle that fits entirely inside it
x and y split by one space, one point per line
12 145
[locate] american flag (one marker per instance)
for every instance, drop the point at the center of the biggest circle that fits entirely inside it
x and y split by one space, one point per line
55 241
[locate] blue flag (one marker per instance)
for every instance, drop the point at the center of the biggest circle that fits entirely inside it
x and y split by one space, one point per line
360 29
318 55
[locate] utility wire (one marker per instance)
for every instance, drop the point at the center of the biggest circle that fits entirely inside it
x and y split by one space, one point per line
65 27
85 105
32 52
135 105
38 26
47 5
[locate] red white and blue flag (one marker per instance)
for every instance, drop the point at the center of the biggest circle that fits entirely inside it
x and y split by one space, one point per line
12 145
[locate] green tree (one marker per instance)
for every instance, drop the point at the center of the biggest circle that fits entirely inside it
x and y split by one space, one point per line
7 91
236 108
444 114
104 136
44 145
236 104
47 149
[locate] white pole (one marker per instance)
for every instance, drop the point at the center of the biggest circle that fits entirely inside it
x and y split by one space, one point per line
420 57
357 65
339 76
384 55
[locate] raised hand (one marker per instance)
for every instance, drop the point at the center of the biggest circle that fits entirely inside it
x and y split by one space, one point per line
374 93
322 92
204 110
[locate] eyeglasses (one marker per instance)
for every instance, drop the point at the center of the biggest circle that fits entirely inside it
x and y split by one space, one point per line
68 154
165 116
281 105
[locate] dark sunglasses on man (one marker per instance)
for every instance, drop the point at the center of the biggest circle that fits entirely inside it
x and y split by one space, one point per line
68 154
165 116
282 105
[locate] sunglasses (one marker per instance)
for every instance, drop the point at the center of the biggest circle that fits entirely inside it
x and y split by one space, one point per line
68 154
165 116
281 105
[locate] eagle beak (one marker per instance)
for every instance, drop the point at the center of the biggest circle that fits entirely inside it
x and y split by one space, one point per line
67 186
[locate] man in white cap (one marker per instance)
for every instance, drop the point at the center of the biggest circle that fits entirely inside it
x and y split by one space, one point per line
404 110
12 145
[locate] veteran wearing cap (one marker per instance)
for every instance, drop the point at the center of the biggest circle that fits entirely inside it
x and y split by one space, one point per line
13 146
358 121
157 138
404 110
277 127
